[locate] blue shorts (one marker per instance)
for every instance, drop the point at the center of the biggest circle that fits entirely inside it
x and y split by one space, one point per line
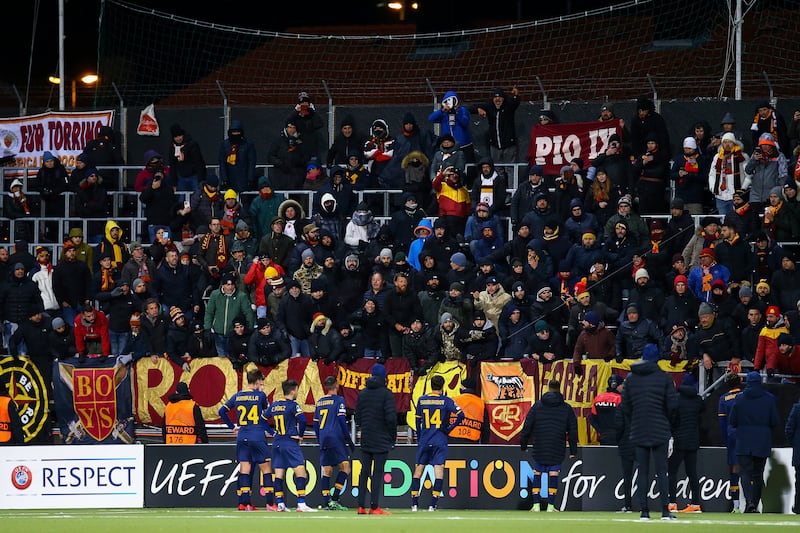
252 451
539 467
431 454
333 455
286 454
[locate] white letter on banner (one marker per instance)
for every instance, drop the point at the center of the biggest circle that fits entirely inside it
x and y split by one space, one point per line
544 146
572 147
155 486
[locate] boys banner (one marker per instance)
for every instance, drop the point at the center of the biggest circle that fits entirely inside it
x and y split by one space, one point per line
93 402
63 134
555 145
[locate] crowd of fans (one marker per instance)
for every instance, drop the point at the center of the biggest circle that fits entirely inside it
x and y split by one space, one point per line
688 247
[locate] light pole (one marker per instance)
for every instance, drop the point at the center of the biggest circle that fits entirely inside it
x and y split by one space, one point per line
86 79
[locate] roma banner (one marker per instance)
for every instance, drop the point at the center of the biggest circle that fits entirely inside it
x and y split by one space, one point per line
353 377
452 372
555 145
508 391
93 402
213 380
63 134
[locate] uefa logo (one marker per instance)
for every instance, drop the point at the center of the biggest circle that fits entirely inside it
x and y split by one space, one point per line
21 477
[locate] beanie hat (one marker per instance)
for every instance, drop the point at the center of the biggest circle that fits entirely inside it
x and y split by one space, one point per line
592 318
137 282
459 259
614 381
176 130
540 326
262 322
677 257
707 252
650 352
446 317
773 310
680 278
753 377
182 388
745 291
705 309
386 252
762 284
212 180
317 316
641 273
230 193
677 203
785 338
378 370
308 252
689 381
175 313
457 286
58 322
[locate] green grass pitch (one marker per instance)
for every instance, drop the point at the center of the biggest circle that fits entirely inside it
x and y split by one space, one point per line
402 520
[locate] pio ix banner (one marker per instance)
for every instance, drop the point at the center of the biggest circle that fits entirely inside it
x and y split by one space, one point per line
63 134
555 145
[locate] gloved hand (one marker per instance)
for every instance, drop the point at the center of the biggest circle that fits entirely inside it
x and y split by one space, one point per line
117 291
771 372
619 358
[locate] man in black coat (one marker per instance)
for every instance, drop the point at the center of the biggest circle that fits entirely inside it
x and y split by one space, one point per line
754 415
548 422
686 435
376 415
649 402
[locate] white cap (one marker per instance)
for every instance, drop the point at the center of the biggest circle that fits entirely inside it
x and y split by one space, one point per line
729 136
689 142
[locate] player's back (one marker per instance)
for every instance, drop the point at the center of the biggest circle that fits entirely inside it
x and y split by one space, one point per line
326 420
250 407
288 419
433 417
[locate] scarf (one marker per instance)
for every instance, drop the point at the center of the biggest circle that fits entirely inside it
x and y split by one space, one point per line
107 280
221 253
654 246
708 240
212 195
231 159
487 189
727 166
46 264
772 121
265 195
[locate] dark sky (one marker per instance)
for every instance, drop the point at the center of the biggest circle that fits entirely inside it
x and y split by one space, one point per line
81 21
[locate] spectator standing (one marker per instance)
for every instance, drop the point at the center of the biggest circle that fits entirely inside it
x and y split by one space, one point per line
186 160
649 402
91 333
237 160
754 415
500 113
347 141
434 420
52 181
453 119
91 200
547 424
223 306
309 124
726 174
376 415
768 169
71 283
160 204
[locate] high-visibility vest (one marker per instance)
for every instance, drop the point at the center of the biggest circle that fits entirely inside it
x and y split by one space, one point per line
474 413
5 419
179 422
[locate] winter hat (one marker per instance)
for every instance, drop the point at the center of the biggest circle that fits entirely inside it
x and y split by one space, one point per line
680 279
263 321
745 291
318 284
457 286
135 245
690 142
729 136
705 309
540 326
785 338
386 252
19 266
237 246
762 284
773 310
137 282
459 259
537 170
727 118
689 381
58 322
212 180
641 273
592 318
478 315
677 203
182 388
676 258
308 252
175 313
47 156
317 316
705 221
625 199
446 317
708 252
176 130
242 226
753 377
400 256
378 370
650 352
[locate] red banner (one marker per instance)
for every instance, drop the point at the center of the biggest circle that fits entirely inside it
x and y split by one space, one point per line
353 378
212 381
555 145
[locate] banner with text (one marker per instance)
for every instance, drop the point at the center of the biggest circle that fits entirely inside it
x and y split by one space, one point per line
556 145
353 377
28 390
93 402
63 134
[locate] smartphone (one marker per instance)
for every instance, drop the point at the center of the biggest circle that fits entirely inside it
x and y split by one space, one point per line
166 235
186 204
